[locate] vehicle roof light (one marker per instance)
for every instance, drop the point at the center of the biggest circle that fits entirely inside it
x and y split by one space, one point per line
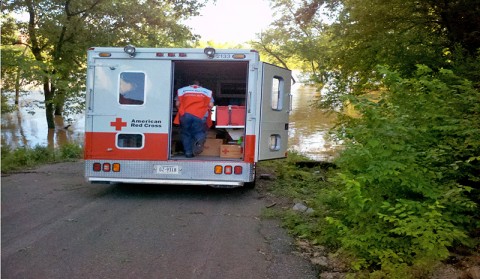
159 54
210 52
171 54
238 56
182 54
104 54
130 50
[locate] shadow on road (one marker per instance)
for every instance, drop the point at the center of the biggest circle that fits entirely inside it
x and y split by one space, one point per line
151 191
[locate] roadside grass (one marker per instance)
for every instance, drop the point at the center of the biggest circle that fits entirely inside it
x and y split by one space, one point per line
302 181
22 158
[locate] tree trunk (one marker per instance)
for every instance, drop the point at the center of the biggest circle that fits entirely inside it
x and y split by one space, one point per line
17 79
59 102
17 87
49 104
37 52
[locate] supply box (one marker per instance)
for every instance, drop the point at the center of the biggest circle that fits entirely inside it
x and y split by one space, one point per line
230 115
231 151
212 147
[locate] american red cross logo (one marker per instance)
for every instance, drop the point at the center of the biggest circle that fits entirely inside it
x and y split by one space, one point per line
118 124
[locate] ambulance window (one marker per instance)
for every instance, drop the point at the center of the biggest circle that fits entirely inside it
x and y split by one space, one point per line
130 141
132 88
275 142
277 93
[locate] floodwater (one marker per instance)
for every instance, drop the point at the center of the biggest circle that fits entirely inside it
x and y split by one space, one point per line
309 126
27 126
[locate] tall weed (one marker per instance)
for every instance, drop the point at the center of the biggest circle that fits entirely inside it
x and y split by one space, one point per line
24 157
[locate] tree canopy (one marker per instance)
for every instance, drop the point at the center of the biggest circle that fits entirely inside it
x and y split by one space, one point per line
58 32
407 186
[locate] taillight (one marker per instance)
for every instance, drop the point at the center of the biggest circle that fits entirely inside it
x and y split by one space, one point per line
106 167
116 167
97 167
238 170
218 169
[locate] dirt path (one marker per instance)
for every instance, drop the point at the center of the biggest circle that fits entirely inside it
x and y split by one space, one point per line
55 225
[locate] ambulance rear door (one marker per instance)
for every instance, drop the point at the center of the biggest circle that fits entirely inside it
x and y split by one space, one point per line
129 109
274 100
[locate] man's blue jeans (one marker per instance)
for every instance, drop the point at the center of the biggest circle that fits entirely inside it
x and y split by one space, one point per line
193 130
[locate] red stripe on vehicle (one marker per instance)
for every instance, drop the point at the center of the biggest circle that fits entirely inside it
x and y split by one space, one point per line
99 145
249 149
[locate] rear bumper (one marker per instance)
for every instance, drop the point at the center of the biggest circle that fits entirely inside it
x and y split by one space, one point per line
188 172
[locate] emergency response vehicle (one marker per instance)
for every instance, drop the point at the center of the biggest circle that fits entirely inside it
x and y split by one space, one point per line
130 107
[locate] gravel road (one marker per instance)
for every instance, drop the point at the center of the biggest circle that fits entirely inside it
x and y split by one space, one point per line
55 225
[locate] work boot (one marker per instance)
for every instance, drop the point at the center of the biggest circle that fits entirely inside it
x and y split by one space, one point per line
198 146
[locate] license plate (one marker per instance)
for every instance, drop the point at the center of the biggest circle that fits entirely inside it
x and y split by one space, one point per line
160 169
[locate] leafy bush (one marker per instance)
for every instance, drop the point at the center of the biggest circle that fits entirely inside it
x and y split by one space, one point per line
71 151
403 191
22 158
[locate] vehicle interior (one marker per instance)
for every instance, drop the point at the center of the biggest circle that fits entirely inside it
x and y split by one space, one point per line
228 82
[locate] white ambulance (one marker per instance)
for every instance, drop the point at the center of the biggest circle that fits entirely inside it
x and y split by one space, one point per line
130 106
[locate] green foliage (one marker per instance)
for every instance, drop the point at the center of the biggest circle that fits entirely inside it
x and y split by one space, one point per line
24 158
298 38
14 58
60 32
404 189
305 185
401 200
407 185
71 151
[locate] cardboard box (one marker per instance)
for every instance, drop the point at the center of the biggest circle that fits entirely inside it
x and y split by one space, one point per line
212 147
230 115
211 134
231 151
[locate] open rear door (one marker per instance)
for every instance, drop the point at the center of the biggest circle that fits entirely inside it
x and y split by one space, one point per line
272 142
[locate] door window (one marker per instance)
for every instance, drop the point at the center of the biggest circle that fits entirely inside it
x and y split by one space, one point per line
277 93
275 143
134 141
132 88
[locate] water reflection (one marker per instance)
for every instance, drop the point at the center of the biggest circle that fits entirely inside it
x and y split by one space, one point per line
27 126
309 126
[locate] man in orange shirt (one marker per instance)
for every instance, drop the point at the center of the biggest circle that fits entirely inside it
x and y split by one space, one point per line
194 103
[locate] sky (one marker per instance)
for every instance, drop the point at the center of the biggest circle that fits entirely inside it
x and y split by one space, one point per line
232 20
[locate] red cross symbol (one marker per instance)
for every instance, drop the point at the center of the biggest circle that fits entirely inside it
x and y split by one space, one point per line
118 124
